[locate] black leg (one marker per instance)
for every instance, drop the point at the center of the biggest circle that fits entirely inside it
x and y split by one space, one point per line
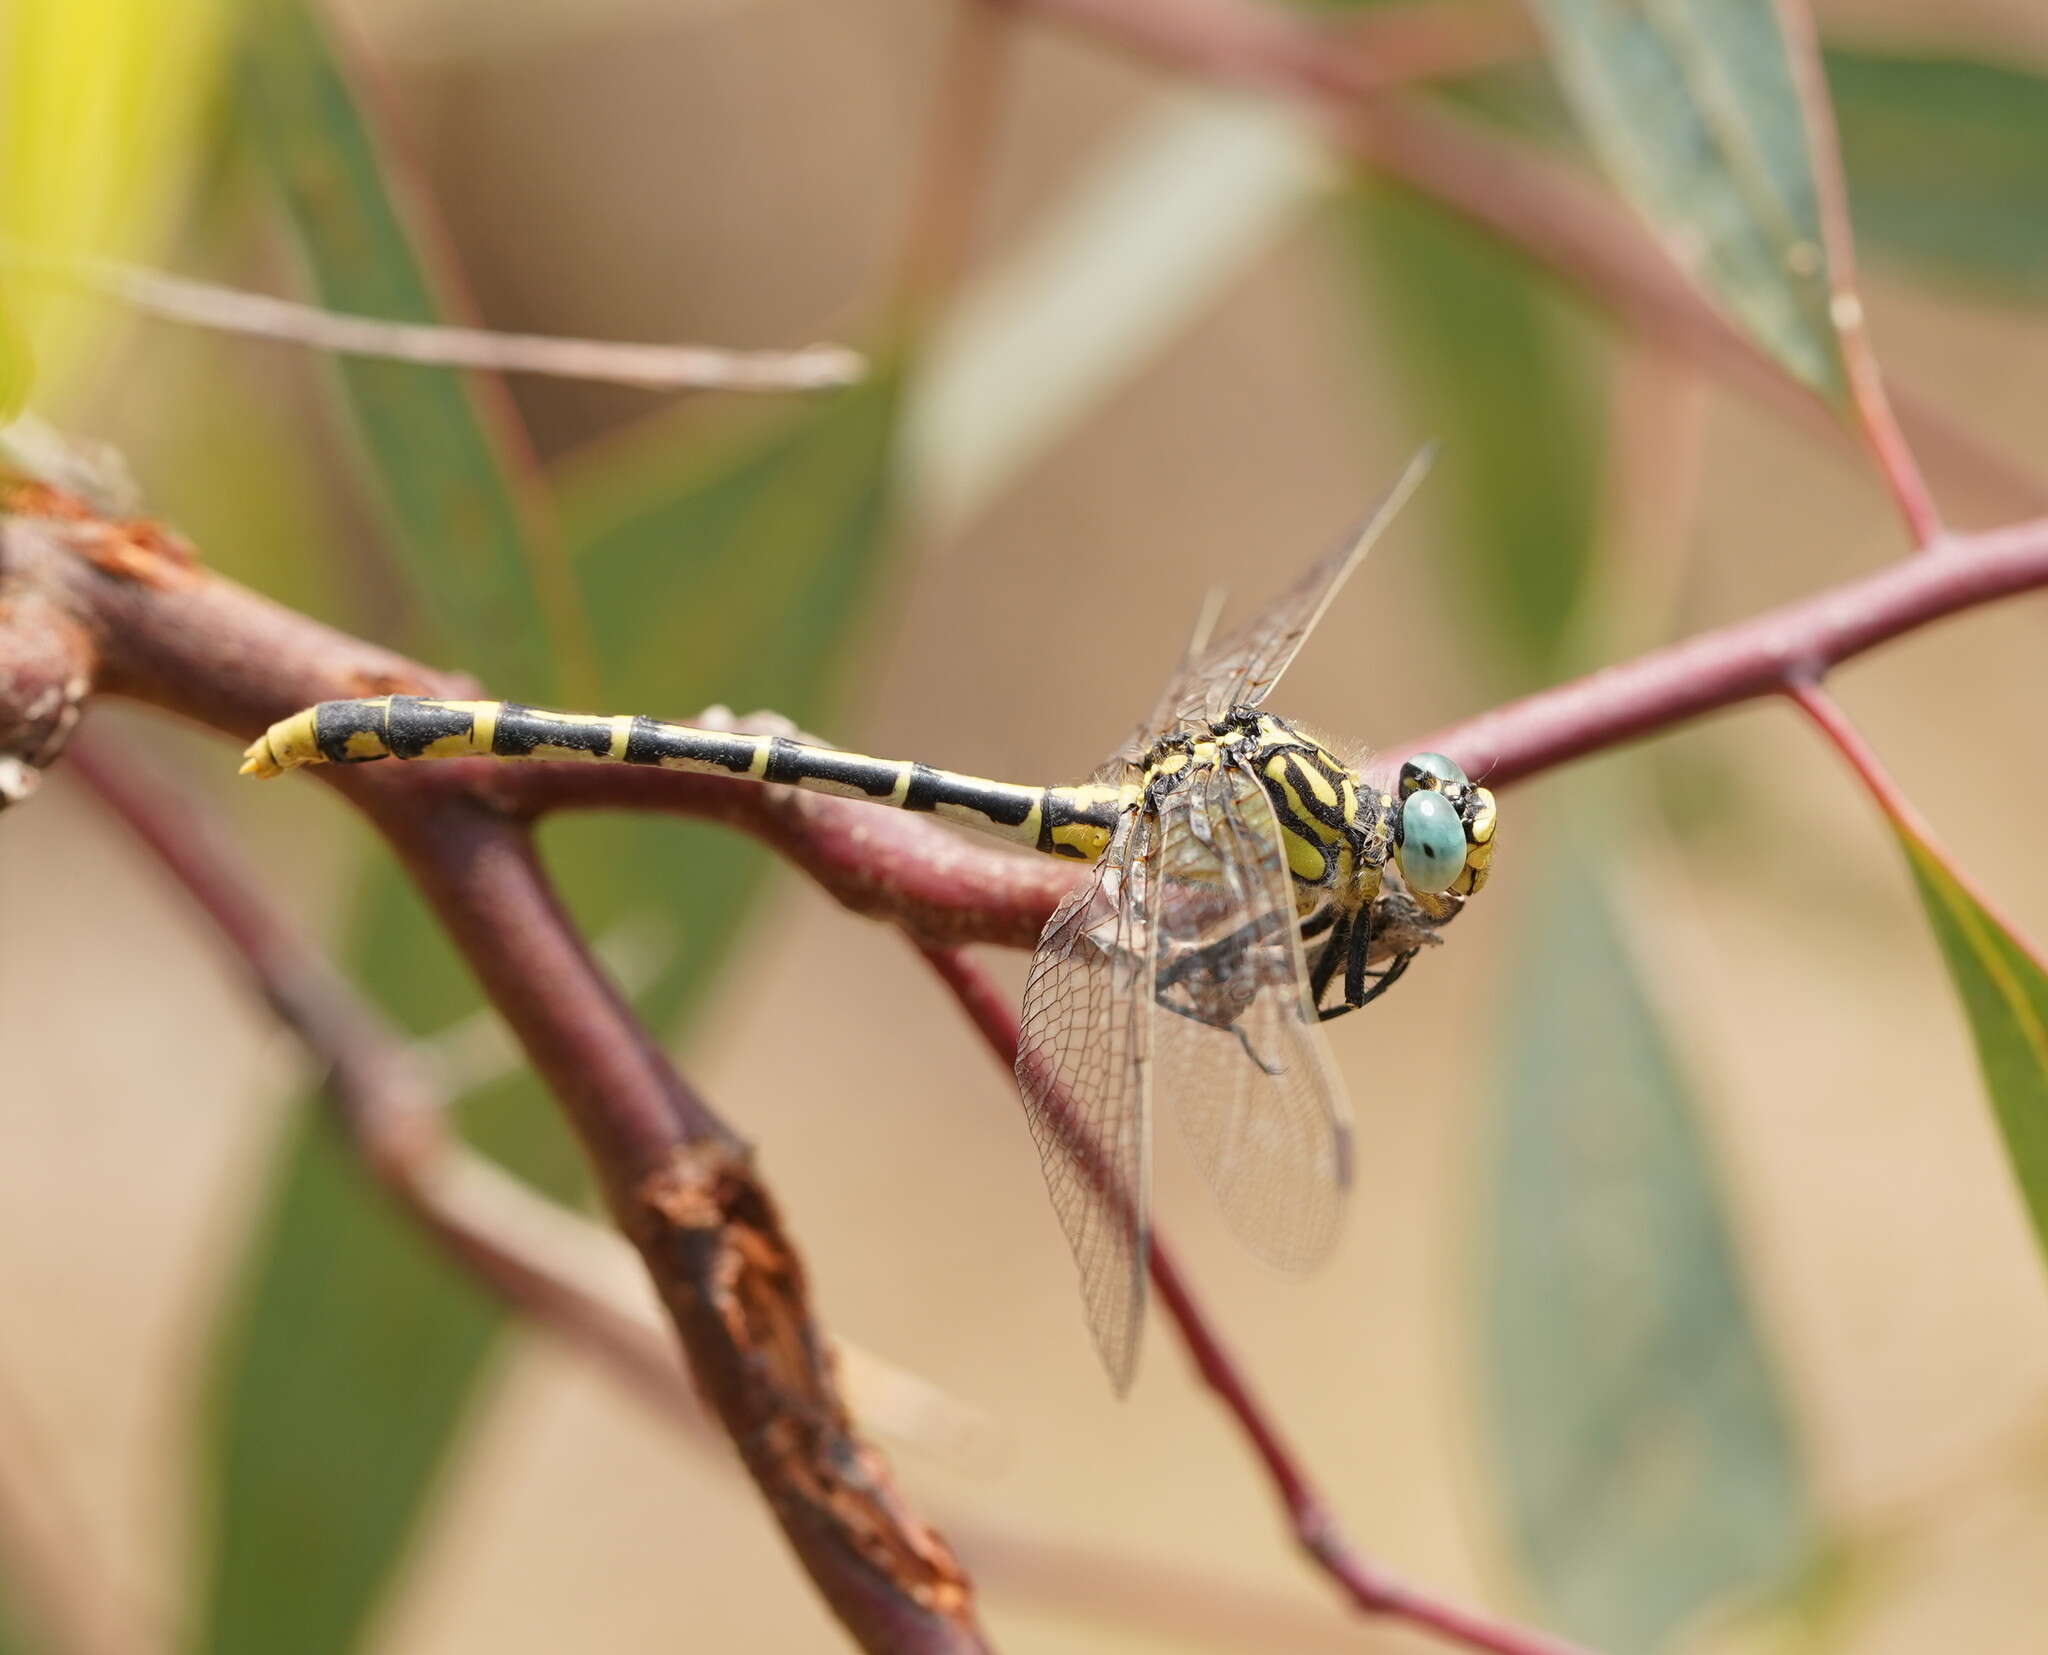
1355 958
1258 1062
1326 962
1361 986
1388 978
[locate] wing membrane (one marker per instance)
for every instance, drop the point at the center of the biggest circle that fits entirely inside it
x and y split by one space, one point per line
1236 1044
1242 669
1082 1067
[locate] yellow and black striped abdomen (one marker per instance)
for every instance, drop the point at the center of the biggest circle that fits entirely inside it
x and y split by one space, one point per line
1061 821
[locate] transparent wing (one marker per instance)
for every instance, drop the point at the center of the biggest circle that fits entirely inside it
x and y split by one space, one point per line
1082 1067
1243 668
1141 740
1236 1044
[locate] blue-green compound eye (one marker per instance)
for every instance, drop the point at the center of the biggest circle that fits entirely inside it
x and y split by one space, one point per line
1431 845
1428 770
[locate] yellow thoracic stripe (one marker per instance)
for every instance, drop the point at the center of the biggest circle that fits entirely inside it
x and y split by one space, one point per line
1072 822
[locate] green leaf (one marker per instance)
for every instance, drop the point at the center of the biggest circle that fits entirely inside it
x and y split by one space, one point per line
1502 372
1648 1465
1694 108
1947 159
2005 997
448 461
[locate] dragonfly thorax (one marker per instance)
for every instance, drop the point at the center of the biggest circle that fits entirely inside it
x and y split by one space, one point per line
1333 827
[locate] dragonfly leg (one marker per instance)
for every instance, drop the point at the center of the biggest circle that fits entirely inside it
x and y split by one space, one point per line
1356 961
1259 1062
1386 978
1361 986
1325 969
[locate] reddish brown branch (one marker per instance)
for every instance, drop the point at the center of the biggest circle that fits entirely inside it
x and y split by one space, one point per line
680 1183
945 889
683 1189
1827 716
1310 1517
936 883
1760 656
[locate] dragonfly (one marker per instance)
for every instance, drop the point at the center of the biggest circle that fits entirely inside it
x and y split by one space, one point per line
1246 885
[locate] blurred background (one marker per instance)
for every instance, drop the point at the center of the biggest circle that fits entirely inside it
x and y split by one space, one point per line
1686 1300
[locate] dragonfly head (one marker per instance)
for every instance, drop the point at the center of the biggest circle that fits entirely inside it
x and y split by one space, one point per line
1442 829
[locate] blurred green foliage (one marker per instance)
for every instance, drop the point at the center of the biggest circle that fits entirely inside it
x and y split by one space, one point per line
1504 374
104 106
1649 1466
1945 159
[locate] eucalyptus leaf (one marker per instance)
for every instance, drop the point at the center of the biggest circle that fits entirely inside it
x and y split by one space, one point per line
448 462
1648 1464
1695 110
2004 992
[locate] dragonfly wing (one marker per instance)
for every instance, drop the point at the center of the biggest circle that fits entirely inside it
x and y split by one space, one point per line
1167 710
1242 669
1236 1044
1082 1068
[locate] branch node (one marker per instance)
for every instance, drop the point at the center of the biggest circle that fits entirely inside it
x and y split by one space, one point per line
48 664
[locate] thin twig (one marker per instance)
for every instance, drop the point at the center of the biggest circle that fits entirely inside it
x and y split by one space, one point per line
1752 658
1310 1517
1828 717
1888 446
260 316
